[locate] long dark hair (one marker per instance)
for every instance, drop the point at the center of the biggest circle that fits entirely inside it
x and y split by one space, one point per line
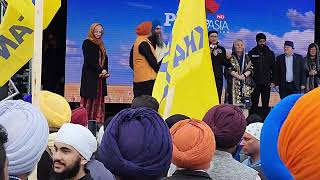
317 59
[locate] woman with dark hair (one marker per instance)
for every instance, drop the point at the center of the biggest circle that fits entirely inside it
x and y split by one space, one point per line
239 77
3 157
94 73
312 66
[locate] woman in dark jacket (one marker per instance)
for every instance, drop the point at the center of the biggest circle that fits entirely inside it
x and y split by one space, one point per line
312 67
94 73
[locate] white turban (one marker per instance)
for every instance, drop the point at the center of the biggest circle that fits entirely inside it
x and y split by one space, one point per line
254 130
79 137
27 135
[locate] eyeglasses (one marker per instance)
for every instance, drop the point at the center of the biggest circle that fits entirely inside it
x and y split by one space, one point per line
97 31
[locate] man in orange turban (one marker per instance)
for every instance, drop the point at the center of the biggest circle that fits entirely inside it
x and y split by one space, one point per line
143 61
193 149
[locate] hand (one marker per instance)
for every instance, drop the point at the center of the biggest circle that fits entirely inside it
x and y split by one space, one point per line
241 77
104 72
313 72
303 87
272 85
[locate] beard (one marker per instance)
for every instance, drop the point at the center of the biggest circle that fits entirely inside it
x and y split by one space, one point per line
69 172
157 39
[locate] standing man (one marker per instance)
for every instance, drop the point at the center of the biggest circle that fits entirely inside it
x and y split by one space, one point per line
143 61
218 58
290 74
73 148
157 41
263 60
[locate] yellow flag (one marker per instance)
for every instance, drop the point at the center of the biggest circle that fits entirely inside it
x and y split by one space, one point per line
185 83
16 34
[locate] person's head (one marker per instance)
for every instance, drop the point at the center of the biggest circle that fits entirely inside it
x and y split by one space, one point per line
145 101
251 139
213 37
73 148
238 46
290 142
228 125
137 145
144 29
313 50
288 48
193 145
96 31
252 118
261 39
172 120
55 108
3 157
28 133
80 116
156 27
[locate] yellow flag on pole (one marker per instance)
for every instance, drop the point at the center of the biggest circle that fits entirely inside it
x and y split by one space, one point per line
185 83
16 34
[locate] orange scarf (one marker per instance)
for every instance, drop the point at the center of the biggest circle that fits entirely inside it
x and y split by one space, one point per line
96 41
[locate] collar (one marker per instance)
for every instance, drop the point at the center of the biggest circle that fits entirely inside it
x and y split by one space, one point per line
253 164
14 178
223 154
191 173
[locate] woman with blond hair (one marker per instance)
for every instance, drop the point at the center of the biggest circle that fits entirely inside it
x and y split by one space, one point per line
94 73
239 77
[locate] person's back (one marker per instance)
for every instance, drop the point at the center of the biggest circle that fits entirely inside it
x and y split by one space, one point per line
225 167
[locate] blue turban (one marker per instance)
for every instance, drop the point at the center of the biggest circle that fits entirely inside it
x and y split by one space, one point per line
155 23
271 163
137 145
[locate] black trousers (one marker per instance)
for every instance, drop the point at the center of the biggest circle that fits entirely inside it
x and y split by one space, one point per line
264 90
219 89
143 88
287 89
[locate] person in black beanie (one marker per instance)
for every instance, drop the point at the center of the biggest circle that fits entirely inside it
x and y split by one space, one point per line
263 60
218 58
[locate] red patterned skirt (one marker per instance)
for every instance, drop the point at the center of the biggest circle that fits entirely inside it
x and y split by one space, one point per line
95 107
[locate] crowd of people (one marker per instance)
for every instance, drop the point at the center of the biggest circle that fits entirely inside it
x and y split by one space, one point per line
138 144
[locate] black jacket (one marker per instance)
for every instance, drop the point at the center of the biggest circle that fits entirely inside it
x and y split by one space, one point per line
145 50
263 61
91 70
299 76
188 174
218 60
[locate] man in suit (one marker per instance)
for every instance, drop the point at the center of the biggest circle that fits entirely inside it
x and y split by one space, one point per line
290 75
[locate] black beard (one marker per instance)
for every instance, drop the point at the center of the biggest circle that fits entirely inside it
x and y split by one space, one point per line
156 38
70 172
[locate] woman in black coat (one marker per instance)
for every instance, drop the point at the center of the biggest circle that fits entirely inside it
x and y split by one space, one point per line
94 73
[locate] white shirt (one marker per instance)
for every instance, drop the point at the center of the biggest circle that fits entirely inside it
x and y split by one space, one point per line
289 66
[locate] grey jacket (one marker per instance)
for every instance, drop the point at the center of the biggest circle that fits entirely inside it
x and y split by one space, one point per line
224 167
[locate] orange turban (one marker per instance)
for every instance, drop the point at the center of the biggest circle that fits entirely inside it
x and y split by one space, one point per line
144 28
299 142
193 144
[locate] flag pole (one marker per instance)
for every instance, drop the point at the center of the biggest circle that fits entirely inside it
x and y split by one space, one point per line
37 52
37 61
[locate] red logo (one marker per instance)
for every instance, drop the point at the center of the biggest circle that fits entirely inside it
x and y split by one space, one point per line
212 6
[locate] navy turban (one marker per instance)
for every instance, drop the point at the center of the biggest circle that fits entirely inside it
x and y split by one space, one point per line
137 145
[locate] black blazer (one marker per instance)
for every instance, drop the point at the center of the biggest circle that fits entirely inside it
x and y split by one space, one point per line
298 71
91 70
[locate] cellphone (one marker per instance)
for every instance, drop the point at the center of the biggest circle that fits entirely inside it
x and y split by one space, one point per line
92 126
